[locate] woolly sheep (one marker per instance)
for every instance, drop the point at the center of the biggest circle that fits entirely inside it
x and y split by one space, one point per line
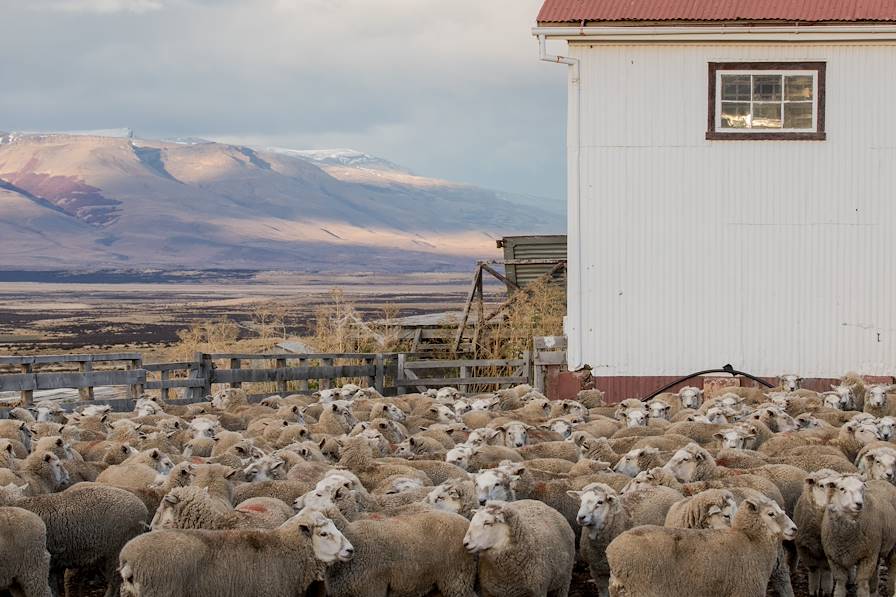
87 525
25 566
194 508
712 509
523 547
281 562
808 515
455 495
652 561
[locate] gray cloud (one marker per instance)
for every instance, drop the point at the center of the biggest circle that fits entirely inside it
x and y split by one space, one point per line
449 89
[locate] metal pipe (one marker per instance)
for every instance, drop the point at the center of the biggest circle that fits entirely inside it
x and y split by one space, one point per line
574 192
726 369
710 33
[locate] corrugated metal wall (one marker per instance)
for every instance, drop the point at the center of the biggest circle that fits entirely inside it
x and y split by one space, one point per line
533 247
772 256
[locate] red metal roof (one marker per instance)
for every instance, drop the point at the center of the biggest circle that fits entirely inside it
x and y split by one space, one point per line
810 11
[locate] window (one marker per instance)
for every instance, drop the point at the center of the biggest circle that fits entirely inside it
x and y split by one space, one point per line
766 101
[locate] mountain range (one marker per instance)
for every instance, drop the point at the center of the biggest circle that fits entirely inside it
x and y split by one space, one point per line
106 200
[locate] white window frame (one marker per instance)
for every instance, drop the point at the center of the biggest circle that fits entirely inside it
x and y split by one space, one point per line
761 72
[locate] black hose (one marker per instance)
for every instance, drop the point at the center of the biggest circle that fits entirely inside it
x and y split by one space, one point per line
726 369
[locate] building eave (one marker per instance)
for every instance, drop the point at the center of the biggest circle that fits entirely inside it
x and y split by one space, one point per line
730 32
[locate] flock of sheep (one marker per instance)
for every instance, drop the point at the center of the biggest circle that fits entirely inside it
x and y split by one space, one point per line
348 493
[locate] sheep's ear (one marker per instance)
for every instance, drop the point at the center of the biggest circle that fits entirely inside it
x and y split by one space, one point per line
59 441
714 510
751 504
575 494
171 499
337 494
321 443
306 529
334 408
382 425
48 457
424 429
718 435
230 474
277 464
9 448
619 414
412 441
154 454
699 456
500 429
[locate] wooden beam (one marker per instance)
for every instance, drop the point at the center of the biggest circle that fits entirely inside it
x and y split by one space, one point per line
86 393
76 380
68 358
477 280
470 381
499 276
27 396
446 364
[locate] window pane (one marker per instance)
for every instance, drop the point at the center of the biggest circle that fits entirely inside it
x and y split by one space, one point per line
766 116
798 115
736 88
767 88
735 116
798 88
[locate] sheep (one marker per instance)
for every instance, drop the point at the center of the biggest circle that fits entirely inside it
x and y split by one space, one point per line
523 547
357 456
878 463
808 515
455 495
425 448
87 525
26 563
424 550
859 527
590 398
559 449
641 459
194 508
651 561
289 559
43 472
711 509
879 401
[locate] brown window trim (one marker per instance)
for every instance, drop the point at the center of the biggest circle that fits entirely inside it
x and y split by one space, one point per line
713 135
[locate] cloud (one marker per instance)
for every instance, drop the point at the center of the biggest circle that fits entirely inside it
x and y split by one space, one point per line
449 89
97 6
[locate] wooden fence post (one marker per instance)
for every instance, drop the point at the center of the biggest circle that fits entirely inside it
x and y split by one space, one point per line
303 383
235 364
165 375
205 374
136 389
282 386
379 379
399 375
86 393
326 384
27 395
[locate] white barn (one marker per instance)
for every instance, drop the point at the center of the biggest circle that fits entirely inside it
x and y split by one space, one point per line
731 185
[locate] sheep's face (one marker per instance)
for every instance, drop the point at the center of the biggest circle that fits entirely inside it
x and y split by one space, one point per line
448 394
203 427
443 414
879 465
95 410
445 497
46 413
772 517
846 394
835 400
886 427
494 485
716 416
690 397
539 404
378 443
488 529
516 435
731 438
459 455
659 409
402 484
145 408
633 417
390 411
165 516
821 485
462 407
12 493
863 432
328 543
561 427
571 407
320 499
266 469
481 436
684 463
484 404
848 495
628 464
720 517
327 396
57 470
596 503
807 421
790 382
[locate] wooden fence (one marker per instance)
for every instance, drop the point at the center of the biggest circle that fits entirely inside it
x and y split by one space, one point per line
26 374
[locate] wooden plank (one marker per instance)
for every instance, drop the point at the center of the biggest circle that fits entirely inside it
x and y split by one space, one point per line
325 383
282 387
470 381
501 277
400 374
86 393
175 383
289 356
163 386
413 376
303 383
550 358
459 336
168 366
435 364
58 380
550 342
326 373
68 358
27 396
380 377
137 389
236 364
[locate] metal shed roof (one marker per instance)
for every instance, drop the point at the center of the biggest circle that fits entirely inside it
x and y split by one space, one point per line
808 11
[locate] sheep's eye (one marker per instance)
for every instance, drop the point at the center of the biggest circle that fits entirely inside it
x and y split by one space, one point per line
600 502
771 514
324 534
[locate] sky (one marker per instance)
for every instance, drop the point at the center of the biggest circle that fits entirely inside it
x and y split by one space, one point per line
448 88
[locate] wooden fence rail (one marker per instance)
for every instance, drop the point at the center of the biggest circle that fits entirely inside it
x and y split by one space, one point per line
197 377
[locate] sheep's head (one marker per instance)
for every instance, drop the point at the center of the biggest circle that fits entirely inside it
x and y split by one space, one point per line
597 502
460 456
876 395
738 438
717 415
629 463
326 396
886 426
561 427
204 427
808 421
447 497
320 499
390 411
57 470
12 493
720 514
848 495
690 397
771 516
516 434
489 528
166 514
820 486
267 469
775 418
659 409
401 484
442 414
864 432
685 462
493 484
846 394
633 417
834 400
145 407
462 407
790 382
482 436
878 464
484 404
328 543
